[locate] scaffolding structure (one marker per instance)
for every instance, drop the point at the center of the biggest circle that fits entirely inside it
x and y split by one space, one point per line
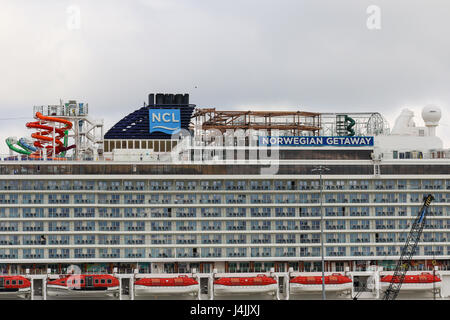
298 123
366 124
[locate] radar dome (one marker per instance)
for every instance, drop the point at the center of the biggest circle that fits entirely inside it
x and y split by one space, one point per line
431 115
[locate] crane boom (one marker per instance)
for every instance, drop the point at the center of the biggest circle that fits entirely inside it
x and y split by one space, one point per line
408 250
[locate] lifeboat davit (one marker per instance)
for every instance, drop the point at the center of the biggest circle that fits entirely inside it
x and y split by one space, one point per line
423 281
335 282
83 283
175 285
245 285
18 284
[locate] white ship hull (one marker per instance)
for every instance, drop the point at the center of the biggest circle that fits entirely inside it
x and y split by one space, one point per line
23 293
64 291
221 289
135 197
299 288
414 286
149 290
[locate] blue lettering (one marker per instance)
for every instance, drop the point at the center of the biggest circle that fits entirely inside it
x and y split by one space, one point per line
316 141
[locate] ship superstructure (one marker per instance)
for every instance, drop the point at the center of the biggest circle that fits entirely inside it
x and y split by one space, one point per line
170 190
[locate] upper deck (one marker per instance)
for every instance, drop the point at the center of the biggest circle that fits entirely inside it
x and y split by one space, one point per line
209 141
283 167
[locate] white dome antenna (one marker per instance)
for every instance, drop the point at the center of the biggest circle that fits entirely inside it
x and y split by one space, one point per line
431 115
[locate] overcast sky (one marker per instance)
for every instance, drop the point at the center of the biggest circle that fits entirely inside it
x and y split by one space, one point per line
312 55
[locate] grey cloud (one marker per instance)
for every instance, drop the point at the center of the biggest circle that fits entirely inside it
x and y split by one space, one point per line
311 55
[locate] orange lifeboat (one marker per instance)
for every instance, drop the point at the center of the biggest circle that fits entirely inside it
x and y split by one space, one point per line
245 285
423 281
83 283
334 282
175 285
14 284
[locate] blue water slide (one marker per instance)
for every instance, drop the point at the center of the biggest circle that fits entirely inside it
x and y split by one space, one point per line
28 145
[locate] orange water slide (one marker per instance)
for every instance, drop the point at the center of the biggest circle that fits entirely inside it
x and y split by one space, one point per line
45 136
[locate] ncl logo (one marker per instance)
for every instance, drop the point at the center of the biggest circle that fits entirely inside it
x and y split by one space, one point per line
165 120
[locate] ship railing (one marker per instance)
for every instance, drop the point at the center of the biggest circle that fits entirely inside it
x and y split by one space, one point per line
70 110
167 158
163 159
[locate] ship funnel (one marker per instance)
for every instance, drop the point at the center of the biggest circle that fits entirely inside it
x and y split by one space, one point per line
151 99
159 98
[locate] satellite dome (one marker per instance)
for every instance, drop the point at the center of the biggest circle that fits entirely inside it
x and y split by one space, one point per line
431 115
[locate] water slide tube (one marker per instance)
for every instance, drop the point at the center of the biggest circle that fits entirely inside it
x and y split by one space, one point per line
350 126
14 146
66 141
27 145
45 136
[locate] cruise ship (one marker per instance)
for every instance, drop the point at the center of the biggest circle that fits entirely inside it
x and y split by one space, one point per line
180 202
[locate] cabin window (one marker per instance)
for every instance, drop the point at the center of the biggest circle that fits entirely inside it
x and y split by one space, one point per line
102 281
13 282
96 281
109 281
81 281
20 282
7 282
